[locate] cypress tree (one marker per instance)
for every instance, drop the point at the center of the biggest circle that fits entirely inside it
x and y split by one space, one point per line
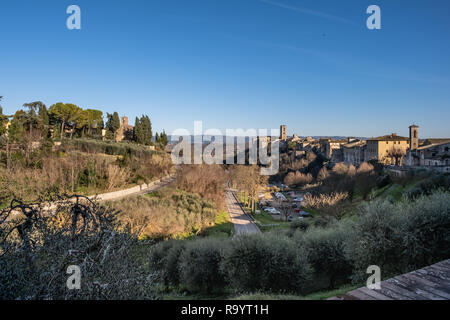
43 120
137 133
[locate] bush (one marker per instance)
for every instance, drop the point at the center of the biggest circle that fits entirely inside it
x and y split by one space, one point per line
425 230
200 266
325 249
375 239
401 237
300 225
165 260
36 251
266 263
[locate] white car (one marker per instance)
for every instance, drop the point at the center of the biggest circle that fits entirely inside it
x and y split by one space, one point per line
271 210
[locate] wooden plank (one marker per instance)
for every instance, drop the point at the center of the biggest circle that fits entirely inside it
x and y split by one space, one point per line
334 298
358 294
435 273
445 263
377 295
429 286
347 297
443 271
430 278
392 294
398 288
413 286
429 283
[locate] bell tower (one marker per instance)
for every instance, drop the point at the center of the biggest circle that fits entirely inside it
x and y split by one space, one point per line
413 137
283 134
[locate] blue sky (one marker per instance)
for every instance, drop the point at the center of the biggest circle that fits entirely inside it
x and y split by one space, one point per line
312 65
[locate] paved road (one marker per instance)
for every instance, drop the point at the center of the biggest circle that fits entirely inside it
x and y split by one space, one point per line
164 182
243 224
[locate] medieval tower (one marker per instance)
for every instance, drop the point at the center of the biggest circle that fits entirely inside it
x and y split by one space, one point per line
413 137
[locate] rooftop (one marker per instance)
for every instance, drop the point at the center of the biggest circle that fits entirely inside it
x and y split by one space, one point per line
390 137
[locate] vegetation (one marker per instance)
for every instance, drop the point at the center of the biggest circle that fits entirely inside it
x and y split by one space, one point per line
398 237
143 131
36 249
208 181
77 167
165 214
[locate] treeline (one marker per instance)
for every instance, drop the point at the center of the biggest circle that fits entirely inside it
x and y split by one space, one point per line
397 237
61 120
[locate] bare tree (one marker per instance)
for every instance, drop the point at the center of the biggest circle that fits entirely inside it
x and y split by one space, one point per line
285 209
397 154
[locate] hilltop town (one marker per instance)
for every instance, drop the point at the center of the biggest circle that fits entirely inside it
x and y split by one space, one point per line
398 153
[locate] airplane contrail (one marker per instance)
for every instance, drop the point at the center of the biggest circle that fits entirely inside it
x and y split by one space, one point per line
309 12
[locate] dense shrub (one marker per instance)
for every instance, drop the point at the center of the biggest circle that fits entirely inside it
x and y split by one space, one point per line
429 185
200 266
375 240
165 260
266 263
300 225
35 253
401 237
425 230
325 249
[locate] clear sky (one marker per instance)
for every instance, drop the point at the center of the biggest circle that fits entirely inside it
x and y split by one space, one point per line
310 64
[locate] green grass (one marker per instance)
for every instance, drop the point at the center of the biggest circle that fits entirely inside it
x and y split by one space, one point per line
223 227
265 218
321 295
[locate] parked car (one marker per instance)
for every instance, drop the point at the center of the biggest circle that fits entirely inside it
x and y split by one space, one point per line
305 214
273 211
290 218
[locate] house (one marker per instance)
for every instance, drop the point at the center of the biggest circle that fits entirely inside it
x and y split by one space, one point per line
435 154
389 149
354 152
328 146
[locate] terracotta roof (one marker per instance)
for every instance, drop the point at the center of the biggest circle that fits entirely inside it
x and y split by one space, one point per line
433 145
357 143
390 137
434 141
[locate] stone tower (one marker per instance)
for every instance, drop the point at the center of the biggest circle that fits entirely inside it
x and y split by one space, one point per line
413 137
283 135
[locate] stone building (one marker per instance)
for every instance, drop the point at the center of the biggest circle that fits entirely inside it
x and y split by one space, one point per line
389 150
125 131
413 137
436 154
329 146
354 152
